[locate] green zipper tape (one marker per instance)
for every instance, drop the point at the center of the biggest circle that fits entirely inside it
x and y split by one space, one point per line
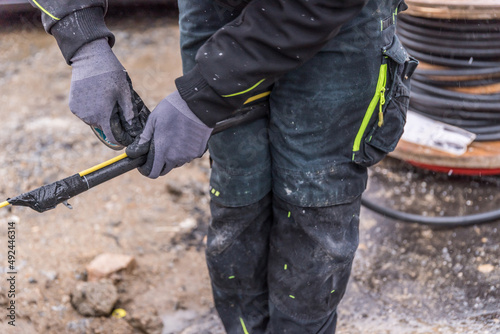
382 80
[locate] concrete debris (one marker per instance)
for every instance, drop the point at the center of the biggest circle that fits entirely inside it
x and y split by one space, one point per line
94 299
106 264
145 320
188 224
78 326
176 321
210 324
98 326
485 268
51 275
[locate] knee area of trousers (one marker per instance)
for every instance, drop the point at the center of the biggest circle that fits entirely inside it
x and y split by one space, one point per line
329 232
307 297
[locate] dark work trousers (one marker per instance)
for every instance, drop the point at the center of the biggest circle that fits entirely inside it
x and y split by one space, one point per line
280 268
285 193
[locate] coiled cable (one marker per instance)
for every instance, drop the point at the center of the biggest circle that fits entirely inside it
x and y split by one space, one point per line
459 83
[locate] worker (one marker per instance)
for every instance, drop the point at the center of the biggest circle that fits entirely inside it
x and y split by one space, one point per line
285 189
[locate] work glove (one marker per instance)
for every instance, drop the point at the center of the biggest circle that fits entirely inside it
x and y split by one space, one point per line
101 93
173 136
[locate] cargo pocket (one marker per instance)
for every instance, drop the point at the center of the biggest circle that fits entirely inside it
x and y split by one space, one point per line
384 120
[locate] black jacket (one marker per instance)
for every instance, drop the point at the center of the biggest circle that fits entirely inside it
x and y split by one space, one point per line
266 40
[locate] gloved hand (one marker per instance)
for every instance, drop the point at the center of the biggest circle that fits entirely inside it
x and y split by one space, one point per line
173 136
101 93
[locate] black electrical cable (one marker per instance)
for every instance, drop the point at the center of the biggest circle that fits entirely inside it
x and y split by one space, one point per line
421 86
453 221
445 34
481 110
463 122
452 62
466 73
469 50
462 43
488 131
454 83
461 25
450 51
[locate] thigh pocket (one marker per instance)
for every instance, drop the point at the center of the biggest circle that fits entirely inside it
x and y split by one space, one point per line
384 120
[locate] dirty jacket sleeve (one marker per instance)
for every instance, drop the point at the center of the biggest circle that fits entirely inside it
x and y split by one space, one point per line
268 39
74 23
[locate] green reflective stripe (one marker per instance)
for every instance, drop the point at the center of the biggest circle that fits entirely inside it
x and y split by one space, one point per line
243 326
245 91
231 277
293 297
45 11
286 266
382 79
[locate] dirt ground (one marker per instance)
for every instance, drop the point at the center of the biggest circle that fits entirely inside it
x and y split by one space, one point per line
407 278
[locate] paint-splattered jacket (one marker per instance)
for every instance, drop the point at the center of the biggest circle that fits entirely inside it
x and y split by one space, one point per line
266 39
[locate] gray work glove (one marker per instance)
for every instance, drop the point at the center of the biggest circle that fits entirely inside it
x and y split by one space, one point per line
101 93
173 136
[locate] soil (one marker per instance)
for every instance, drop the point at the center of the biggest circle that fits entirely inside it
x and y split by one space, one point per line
407 278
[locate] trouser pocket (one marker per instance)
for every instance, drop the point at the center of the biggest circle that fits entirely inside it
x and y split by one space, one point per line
384 120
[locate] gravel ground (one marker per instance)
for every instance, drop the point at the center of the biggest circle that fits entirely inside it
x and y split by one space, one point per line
407 278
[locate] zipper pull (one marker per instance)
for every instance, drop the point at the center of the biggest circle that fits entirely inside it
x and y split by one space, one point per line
381 104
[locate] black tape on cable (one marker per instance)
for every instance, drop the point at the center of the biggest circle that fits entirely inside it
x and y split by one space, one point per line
49 196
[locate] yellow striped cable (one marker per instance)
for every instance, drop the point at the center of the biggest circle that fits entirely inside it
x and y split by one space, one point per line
102 165
87 171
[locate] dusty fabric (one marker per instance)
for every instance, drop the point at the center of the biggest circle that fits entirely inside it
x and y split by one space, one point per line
281 268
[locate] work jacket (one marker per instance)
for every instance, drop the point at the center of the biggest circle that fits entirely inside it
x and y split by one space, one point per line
267 39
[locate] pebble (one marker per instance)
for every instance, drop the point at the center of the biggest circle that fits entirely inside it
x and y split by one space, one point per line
485 268
94 299
51 275
104 265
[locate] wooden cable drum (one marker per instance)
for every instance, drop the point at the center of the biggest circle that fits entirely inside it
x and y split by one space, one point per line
458 81
481 158
455 9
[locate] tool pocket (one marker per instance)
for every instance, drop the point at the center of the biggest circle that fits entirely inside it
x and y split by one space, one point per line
384 120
